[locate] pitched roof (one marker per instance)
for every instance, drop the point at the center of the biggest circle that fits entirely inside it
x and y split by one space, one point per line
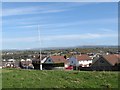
37 58
112 58
83 57
58 59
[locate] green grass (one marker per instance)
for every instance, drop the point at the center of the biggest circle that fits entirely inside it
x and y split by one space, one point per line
17 78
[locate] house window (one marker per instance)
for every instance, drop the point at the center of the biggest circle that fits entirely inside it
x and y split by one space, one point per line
101 61
72 61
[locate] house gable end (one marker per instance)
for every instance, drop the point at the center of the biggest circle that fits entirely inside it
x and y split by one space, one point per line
73 61
49 60
101 62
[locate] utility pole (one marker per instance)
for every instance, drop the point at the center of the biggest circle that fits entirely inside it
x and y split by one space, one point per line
40 47
76 62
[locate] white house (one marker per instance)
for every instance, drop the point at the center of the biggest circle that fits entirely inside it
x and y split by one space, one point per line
11 60
28 60
22 60
80 60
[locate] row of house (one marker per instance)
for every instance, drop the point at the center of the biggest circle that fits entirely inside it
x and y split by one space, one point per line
82 61
103 62
12 63
100 62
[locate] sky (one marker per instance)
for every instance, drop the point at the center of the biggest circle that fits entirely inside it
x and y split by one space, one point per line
61 24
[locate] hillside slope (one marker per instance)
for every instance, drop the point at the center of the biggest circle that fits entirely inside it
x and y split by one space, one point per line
17 78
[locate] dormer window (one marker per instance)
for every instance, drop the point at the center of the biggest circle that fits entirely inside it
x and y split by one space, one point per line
101 61
49 60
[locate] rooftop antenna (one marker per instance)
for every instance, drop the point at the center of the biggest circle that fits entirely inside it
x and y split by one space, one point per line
40 46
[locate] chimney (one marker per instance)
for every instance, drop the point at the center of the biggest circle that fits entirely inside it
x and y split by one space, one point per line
107 53
80 54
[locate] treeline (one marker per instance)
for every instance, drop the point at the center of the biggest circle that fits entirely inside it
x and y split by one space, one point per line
24 54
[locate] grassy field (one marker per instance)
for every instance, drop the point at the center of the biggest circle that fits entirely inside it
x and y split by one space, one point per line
17 78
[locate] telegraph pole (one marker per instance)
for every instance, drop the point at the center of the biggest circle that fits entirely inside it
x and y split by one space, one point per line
40 47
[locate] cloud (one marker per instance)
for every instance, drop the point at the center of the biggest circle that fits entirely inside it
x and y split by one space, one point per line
54 11
50 8
19 11
106 30
60 37
30 10
25 39
28 24
78 36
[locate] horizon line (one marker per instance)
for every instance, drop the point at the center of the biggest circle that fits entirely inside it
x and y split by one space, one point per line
43 48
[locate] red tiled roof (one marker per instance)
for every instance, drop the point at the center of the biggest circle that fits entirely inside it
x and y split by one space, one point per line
112 58
83 57
59 59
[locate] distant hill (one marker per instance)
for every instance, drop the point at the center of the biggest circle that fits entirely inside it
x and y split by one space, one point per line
54 48
85 46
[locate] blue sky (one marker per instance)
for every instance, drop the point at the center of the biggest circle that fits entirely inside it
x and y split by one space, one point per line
60 24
